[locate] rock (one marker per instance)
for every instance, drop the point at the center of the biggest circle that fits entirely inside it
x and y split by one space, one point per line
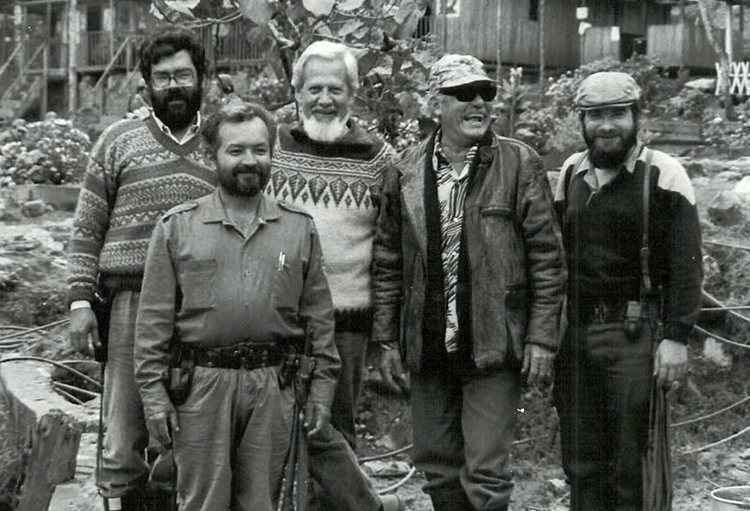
33 208
695 169
729 175
727 209
743 187
559 485
386 468
702 84
713 351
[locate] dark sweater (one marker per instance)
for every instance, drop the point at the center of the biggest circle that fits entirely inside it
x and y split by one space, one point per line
602 232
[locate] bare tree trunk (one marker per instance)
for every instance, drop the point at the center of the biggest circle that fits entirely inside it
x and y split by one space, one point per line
541 51
499 54
723 61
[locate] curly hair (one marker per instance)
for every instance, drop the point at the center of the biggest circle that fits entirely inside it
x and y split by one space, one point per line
166 43
234 113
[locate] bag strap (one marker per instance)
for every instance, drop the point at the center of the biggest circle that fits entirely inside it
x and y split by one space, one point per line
646 284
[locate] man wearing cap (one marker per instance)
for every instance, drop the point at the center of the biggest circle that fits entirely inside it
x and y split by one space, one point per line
469 279
614 349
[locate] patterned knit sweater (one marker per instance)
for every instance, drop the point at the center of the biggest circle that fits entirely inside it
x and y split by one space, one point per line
135 174
338 183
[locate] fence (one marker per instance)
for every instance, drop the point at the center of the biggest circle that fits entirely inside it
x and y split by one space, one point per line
739 76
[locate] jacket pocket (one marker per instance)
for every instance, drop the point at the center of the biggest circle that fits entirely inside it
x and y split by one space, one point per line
287 286
197 282
502 211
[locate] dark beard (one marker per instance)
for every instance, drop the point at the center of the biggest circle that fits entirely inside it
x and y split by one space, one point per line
176 107
610 159
248 180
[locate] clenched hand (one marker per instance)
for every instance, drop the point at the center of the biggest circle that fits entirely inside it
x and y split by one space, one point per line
161 427
537 364
83 327
670 362
317 418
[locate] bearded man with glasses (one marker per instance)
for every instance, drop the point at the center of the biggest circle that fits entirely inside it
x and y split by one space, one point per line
468 279
139 169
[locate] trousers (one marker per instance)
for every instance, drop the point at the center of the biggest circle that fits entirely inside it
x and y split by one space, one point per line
463 428
123 467
602 388
234 433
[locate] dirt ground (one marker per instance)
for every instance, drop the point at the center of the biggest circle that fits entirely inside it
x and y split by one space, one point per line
32 293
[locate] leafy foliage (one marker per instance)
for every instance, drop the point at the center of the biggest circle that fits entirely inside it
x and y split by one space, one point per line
50 151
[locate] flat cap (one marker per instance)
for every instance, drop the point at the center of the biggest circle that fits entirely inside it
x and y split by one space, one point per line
607 88
456 70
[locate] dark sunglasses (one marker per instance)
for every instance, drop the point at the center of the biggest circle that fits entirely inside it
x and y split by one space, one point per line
467 93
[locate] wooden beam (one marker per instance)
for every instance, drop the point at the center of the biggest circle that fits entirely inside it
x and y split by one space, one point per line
74 40
45 81
499 53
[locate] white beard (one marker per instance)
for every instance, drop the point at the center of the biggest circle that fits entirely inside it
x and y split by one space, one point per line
329 131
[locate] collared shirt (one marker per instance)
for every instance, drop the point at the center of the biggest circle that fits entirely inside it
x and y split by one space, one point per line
600 177
190 133
212 286
451 188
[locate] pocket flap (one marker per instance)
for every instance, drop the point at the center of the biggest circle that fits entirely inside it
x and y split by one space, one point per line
503 211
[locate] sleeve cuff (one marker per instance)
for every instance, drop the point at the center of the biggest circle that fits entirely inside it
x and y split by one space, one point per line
80 304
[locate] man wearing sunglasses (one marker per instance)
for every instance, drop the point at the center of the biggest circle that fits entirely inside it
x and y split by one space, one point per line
139 169
468 288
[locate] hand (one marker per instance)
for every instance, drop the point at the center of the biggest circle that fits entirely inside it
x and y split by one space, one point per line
670 362
537 364
392 371
160 428
84 330
317 418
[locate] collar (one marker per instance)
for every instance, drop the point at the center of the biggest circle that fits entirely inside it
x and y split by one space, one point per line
214 211
438 153
629 164
190 133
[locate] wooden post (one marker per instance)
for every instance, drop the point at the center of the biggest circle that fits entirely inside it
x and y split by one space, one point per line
445 26
45 80
74 38
728 36
499 55
541 51
742 31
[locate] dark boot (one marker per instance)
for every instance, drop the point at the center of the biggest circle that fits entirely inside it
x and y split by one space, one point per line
134 500
450 500
159 499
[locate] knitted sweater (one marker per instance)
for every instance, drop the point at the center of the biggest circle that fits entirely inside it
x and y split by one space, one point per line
338 184
135 174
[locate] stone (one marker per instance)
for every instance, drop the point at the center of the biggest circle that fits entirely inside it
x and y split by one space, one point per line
386 468
727 209
702 84
34 208
695 169
713 351
729 175
743 187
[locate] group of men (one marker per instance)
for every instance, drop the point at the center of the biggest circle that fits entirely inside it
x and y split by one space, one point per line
228 244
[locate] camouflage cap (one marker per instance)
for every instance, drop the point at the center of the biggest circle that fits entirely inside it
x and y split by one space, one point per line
607 88
455 70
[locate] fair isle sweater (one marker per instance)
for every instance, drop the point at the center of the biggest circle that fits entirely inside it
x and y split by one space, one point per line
135 174
338 184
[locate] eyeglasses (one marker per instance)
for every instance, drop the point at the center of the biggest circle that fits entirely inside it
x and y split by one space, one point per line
467 93
182 77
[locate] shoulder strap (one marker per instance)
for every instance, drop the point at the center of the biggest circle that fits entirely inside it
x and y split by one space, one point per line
645 250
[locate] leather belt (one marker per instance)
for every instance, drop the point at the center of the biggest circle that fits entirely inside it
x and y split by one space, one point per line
247 355
600 312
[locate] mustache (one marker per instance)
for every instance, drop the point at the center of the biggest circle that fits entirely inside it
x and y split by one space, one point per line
246 169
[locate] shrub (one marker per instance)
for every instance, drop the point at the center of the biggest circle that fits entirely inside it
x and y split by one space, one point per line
50 151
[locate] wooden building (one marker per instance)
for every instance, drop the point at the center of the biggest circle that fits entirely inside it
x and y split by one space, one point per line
53 48
575 31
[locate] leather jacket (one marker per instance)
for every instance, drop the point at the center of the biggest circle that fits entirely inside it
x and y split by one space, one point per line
512 244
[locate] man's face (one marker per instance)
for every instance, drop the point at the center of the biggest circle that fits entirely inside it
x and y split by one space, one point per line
609 132
324 99
465 113
175 91
243 158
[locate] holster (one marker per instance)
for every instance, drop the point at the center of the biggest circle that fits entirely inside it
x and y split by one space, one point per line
180 374
101 305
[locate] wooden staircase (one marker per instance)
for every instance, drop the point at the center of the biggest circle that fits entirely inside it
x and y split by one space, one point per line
21 89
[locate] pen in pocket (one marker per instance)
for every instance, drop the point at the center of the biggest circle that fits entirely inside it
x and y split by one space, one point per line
282 262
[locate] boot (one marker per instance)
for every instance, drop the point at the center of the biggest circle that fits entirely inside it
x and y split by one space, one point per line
134 500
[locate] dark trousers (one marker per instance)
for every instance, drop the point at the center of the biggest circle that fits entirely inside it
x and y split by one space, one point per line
463 428
602 387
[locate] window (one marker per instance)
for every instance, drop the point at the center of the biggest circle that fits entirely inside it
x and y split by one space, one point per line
534 10
94 18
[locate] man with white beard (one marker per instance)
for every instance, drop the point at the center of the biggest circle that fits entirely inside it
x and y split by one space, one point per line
331 167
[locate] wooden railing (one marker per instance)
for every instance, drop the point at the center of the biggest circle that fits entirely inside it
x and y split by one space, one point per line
231 48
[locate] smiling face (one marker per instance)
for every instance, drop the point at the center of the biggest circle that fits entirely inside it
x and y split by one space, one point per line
464 123
243 158
609 132
324 99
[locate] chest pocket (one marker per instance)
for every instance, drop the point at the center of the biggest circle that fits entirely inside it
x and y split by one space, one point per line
197 283
287 285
